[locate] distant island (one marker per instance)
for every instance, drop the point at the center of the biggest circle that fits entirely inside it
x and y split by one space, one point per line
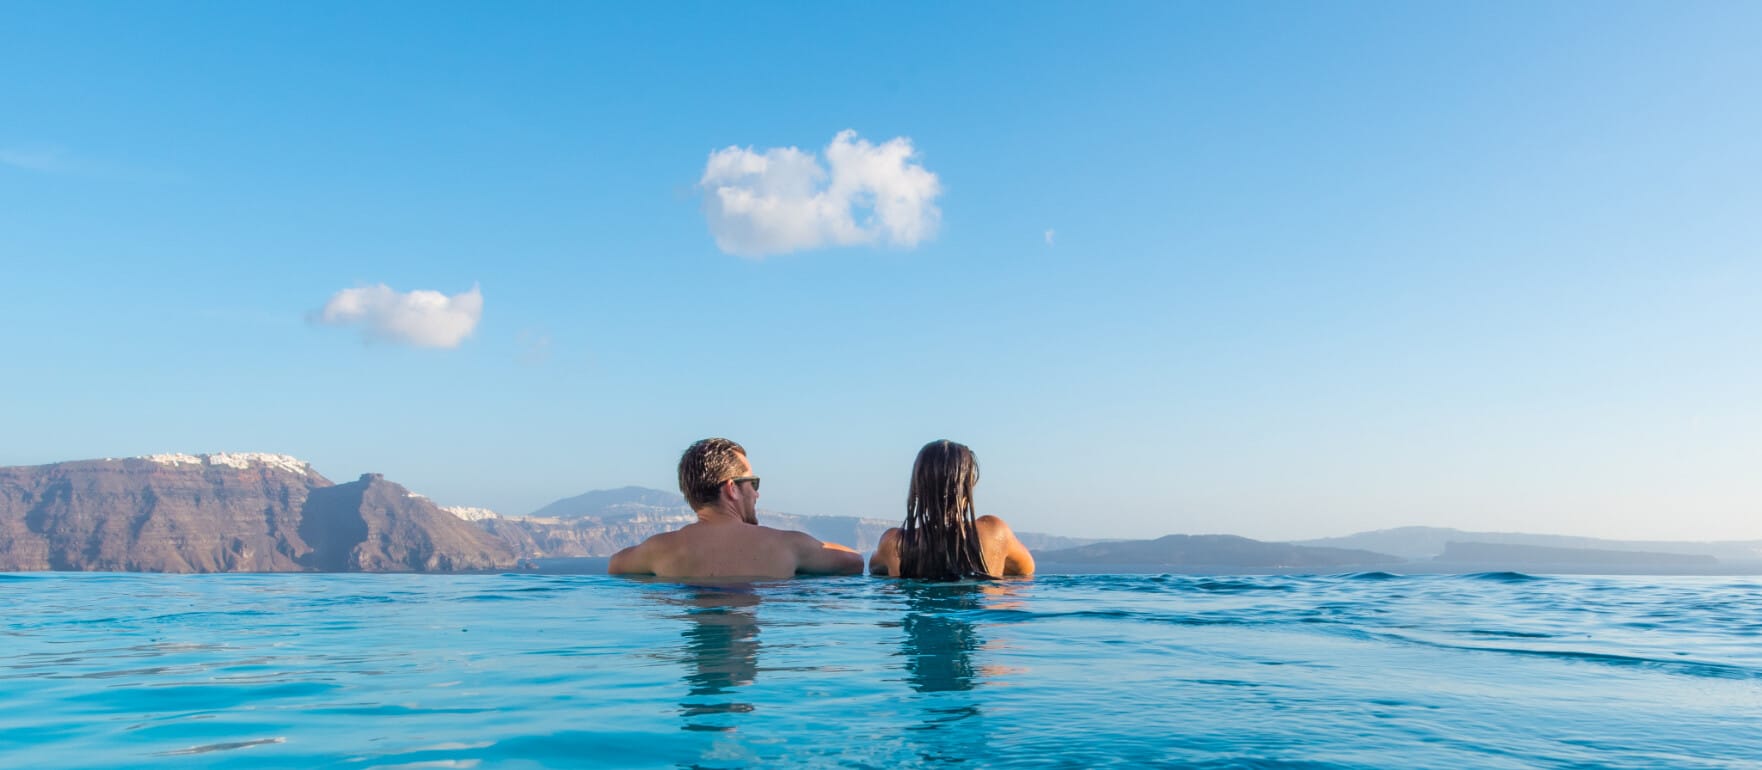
1438 549
244 512
1211 553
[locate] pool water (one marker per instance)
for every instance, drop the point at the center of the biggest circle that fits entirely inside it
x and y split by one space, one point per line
1367 670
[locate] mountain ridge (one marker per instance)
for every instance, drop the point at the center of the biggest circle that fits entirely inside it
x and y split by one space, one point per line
225 512
1218 551
1418 542
259 512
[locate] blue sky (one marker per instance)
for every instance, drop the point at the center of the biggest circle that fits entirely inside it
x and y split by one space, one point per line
1273 269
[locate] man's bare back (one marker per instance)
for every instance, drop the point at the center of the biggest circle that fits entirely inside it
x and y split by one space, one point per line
726 541
723 549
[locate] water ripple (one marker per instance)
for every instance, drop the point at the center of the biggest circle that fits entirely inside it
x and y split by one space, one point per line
1503 577
212 747
1359 670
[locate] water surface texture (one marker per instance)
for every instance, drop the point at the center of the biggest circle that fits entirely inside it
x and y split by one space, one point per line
1371 670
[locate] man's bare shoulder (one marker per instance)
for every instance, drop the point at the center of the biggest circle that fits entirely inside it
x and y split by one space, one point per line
666 542
816 557
637 559
796 540
775 532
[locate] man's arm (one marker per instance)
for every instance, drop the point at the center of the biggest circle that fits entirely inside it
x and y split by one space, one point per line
630 561
813 557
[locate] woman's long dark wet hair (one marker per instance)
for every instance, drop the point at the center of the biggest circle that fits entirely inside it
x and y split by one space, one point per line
940 540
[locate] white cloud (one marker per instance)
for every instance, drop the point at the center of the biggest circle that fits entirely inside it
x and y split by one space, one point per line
426 319
1049 234
782 199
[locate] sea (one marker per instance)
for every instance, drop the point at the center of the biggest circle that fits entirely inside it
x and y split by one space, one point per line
1364 670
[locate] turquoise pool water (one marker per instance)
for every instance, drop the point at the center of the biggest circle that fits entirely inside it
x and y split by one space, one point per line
1374 670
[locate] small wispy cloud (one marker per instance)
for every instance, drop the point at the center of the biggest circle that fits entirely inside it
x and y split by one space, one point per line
1049 234
534 347
59 161
48 160
782 199
421 318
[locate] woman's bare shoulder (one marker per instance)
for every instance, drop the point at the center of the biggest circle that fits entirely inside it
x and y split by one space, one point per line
1009 552
885 561
989 524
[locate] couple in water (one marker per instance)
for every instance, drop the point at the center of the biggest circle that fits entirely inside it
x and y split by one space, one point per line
941 539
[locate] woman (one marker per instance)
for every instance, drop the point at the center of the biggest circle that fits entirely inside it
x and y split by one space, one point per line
941 540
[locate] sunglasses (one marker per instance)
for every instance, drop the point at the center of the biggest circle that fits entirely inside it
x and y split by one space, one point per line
753 479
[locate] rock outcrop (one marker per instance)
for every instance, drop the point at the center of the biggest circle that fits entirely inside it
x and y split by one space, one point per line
225 513
374 525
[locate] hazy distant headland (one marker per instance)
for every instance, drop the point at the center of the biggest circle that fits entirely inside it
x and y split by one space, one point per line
273 513
1438 549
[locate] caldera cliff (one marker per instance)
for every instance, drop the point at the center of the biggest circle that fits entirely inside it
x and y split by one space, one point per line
226 513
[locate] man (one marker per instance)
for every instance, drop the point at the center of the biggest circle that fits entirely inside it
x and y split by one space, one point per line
727 541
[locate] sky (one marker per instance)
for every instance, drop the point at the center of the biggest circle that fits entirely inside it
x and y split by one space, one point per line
1280 270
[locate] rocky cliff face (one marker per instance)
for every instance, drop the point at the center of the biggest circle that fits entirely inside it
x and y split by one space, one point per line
373 525
175 513
224 513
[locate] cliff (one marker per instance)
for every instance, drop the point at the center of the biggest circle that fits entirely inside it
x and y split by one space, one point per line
373 525
224 513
